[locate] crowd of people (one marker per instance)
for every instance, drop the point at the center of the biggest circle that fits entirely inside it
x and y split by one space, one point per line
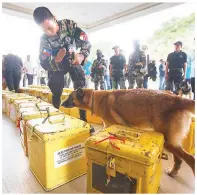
59 58
17 73
140 69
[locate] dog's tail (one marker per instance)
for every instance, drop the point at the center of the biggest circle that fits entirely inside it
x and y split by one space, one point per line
188 105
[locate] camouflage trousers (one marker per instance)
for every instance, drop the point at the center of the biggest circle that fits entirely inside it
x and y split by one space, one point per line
118 82
139 79
99 79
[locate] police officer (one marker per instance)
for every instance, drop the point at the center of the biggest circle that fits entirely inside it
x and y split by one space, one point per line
117 69
175 68
13 68
57 52
98 70
137 66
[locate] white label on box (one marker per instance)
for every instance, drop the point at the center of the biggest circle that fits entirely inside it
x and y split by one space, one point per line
68 155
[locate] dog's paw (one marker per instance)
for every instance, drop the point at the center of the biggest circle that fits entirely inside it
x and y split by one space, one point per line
171 171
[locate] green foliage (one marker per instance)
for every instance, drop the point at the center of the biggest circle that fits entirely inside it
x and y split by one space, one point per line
161 43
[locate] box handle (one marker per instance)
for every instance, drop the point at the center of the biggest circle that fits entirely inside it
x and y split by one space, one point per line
49 115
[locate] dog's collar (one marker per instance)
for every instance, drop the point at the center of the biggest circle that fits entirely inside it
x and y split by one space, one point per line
92 103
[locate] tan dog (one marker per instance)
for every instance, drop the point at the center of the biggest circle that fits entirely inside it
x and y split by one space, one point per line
164 112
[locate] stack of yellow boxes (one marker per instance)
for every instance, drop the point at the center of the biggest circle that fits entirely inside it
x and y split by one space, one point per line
38 93
25 114
68 90
4 95
43 92
34 86
34 103
46 95
119 159
124 160
9 99
16 104
23 90
32 91
57 149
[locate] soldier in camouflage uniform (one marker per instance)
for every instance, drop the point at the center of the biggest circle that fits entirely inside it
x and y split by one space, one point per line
98 70
58 52
137 67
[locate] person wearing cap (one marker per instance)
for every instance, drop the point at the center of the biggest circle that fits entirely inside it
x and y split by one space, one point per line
117 69
137 66
175 68
98 70
58 52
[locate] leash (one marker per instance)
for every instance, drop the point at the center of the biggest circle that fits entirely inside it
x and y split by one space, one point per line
112 137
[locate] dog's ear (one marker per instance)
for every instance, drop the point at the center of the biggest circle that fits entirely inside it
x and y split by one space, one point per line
80 93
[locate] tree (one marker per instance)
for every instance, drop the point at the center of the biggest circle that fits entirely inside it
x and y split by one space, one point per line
161 43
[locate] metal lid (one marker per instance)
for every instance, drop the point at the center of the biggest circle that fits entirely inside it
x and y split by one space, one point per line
136 145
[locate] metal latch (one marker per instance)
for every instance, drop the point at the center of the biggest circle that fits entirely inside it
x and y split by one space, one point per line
111 167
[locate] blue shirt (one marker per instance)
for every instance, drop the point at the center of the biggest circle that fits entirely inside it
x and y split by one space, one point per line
188 70
87 68
192 63
161 70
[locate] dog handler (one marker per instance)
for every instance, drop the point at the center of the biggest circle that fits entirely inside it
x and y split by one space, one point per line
57 52
175 68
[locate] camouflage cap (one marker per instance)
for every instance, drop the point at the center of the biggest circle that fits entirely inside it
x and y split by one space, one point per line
98 51
144 47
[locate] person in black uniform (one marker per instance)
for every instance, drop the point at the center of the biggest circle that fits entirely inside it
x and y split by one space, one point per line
58 52
13 67
117 69
175 68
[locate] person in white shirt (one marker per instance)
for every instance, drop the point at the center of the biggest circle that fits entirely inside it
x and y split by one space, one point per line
29 70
